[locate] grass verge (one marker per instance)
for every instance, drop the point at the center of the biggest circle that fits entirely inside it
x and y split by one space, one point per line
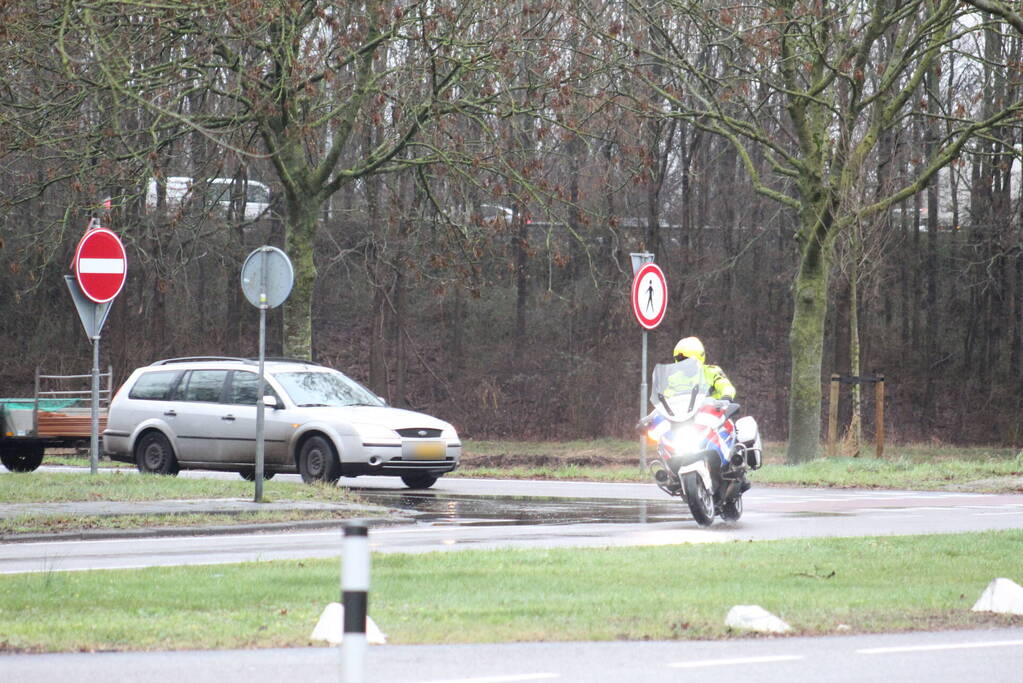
913 466
818 586
53 524
114 485
63 487
909 466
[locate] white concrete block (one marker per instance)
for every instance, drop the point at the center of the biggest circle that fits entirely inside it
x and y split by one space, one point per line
755 618
330 627
1001 595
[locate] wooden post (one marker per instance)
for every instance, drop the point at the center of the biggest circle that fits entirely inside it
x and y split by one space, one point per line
833 416
35 407
879 414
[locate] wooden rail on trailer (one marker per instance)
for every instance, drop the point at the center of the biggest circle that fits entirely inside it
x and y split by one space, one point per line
75 420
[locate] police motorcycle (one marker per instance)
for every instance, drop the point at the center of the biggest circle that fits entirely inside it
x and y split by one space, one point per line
702 454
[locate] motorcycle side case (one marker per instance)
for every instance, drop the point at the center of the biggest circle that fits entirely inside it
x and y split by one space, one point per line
748 434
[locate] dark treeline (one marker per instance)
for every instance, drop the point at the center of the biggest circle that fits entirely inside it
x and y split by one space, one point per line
476 264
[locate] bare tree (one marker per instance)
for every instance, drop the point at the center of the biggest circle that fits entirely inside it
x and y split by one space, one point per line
296 83
813 86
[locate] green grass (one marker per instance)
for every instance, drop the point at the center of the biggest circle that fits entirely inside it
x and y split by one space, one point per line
73 459
818 586
115 485
903 472
52 524
56 487
914 466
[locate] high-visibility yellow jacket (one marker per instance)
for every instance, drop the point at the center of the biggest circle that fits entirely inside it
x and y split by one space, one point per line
713 376
720 386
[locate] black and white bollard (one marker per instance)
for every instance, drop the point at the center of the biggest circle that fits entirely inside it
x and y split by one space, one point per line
355 598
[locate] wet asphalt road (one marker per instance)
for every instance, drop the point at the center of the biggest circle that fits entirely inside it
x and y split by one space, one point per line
466 513
983 656
463 513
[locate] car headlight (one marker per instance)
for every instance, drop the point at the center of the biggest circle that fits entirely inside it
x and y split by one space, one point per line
372 432
449 433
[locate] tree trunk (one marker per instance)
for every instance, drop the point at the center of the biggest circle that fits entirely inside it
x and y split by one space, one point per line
806 343
300 233
855 434
521 242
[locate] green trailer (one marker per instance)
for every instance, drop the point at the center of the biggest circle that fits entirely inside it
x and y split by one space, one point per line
59 415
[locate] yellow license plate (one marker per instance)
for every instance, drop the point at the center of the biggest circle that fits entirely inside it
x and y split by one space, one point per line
434 450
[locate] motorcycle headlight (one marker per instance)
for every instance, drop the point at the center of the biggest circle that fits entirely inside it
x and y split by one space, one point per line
687 440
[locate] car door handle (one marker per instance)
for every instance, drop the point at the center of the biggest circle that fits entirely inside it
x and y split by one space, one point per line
229 418
171 413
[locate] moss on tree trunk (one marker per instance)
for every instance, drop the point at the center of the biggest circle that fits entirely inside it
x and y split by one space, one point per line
806 346
298 309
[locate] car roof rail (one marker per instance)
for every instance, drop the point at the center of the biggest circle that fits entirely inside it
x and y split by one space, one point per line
284 359
196 359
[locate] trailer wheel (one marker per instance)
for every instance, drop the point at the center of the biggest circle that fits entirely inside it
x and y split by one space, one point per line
21 457
155 455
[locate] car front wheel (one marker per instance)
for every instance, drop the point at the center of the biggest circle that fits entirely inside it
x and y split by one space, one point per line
318 461
250 474
155 455
419 480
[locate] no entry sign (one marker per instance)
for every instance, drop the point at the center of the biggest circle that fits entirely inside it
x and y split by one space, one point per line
649 296
100 265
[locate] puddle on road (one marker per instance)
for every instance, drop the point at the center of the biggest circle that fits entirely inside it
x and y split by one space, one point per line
447 509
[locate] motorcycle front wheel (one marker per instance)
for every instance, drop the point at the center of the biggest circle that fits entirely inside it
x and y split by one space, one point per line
731 509
701 502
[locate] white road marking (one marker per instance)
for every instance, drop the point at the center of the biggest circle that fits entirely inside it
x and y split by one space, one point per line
501 679
934 648
737 660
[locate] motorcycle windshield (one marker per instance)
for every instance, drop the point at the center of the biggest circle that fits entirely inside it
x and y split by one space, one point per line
679 385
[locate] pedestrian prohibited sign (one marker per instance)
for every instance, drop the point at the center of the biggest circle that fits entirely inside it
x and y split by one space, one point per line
649 296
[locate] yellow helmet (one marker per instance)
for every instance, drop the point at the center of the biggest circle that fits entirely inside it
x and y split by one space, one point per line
690 347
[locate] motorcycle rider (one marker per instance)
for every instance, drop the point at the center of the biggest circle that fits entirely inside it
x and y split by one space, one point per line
720 386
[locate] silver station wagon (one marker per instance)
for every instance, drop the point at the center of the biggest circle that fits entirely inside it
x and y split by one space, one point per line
200 413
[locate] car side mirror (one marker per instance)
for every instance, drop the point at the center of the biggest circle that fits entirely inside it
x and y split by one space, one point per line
270 401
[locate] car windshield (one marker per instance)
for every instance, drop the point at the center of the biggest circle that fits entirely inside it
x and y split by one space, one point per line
325 389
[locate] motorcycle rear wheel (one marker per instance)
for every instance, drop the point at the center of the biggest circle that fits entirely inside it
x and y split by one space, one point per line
701 502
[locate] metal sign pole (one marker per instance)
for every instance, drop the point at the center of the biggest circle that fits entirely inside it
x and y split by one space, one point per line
94 435
640 259
94 438
260 406
267 277
643 405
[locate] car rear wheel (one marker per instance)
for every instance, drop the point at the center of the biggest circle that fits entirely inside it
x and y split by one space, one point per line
420 480
318 461
21 457
155 455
